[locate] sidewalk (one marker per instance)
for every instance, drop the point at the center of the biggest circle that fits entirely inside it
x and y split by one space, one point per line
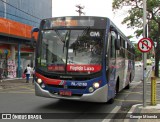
9 82
14 79
150 113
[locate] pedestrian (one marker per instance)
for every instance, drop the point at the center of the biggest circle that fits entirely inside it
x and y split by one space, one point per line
33 74
27 71
153 66
1 74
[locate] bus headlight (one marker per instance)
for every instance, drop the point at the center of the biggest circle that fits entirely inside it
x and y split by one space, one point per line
39 80
96 85
91 89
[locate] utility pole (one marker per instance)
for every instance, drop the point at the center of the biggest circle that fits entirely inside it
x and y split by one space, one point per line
144 55
5 9
80 9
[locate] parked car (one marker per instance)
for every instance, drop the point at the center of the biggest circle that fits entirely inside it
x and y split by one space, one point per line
138 64
149 62
153 60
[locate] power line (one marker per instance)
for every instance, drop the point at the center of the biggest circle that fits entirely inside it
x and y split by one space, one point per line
20 10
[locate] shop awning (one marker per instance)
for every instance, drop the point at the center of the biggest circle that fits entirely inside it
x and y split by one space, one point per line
14 28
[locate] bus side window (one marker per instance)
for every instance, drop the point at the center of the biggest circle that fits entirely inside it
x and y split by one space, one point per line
112 45
123 41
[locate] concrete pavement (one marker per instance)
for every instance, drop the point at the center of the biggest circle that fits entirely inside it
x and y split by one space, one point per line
137 113
150 113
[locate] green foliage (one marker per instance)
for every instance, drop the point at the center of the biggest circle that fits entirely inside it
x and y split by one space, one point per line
138 53
130 37
134 19
138 32
153 30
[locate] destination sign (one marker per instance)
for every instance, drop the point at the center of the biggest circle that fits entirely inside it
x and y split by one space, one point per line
83 68
65 23
51 23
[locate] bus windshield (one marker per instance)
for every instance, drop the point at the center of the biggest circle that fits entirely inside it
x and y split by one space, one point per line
71 50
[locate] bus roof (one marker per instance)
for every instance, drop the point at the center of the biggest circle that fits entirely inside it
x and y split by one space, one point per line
80 21
75 21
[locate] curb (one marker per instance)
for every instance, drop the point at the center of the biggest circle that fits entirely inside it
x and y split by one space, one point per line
10 79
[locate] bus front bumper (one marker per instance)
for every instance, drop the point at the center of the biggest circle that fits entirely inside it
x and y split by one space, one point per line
99 95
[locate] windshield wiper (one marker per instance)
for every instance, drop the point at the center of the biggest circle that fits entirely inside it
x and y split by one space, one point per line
85 31
57 32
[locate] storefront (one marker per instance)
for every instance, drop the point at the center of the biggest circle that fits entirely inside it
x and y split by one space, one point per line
16 50
4 55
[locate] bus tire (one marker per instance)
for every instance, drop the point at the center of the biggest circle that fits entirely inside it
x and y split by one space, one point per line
116 91
128 86
111 101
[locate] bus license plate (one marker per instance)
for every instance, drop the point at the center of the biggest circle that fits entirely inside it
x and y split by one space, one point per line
65 93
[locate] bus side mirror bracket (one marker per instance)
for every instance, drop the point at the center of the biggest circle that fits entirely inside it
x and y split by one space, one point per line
34 30
32 37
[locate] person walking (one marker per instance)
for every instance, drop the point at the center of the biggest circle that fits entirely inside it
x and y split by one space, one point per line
28 73
1 74
33 74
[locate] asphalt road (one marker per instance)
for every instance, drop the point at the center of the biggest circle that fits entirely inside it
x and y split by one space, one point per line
19 97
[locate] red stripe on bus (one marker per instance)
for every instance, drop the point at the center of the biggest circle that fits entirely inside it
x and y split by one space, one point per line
48 80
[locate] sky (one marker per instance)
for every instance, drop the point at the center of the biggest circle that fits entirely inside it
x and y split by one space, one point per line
101 8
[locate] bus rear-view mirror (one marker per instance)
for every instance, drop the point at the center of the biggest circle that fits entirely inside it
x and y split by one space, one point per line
34 35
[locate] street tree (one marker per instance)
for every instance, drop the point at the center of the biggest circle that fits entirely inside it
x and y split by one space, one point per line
138 53
134 19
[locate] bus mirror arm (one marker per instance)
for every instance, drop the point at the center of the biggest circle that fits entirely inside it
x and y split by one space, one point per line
106 68
34 30
32 36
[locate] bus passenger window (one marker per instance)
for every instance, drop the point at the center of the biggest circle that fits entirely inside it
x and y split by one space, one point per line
112 49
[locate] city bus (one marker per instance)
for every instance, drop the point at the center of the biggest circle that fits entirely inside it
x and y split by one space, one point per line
82 58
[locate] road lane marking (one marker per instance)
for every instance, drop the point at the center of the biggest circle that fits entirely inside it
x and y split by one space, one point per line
17 92
114 111
139 87
130 92
121 100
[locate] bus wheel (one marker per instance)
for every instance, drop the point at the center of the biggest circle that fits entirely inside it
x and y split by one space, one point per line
116 91
111 101
128 86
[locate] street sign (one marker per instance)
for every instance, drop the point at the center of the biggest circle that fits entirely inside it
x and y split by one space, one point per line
145 44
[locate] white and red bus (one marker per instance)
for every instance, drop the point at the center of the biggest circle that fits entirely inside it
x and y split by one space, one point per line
82 58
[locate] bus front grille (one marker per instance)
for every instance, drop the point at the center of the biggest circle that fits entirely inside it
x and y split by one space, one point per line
68 87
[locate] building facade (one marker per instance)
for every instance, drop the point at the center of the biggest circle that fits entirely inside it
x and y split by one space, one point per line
17 18
29 12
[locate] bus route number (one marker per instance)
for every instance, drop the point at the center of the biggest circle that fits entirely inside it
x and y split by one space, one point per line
78 84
